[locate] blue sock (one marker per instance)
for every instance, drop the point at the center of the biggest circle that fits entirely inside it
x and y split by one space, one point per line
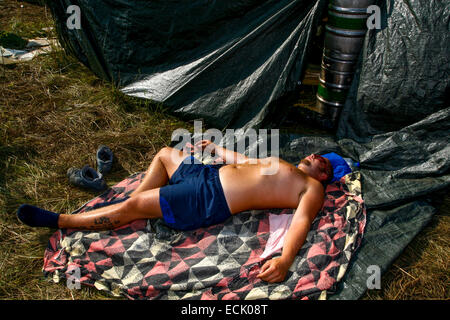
37 217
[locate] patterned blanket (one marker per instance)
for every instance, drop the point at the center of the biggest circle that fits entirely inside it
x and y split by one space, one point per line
147 260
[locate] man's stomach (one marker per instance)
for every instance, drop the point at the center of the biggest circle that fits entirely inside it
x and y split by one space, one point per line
245 188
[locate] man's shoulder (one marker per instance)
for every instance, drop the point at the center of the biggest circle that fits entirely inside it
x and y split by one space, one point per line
315 185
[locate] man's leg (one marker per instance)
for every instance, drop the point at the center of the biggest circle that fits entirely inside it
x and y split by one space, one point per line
144 205
163 165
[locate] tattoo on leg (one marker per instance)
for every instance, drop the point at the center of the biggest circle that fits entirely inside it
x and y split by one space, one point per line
102 220
104 223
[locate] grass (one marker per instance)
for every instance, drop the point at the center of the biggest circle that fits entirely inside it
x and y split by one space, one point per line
54 113
11 41
422 270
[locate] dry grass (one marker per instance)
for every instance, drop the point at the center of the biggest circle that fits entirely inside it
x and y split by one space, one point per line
422 271
53 115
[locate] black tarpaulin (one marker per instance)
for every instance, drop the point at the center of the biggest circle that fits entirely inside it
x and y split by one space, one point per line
396 123
403 173
221 61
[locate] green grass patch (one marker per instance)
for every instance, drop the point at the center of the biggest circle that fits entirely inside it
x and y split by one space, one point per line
12 41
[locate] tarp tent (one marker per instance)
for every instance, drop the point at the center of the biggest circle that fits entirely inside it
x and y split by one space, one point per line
396 122
222 61
227 62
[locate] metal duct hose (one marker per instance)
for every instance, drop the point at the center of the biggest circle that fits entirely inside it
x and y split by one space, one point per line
344 37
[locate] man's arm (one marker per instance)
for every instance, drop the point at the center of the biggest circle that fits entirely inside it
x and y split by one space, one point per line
226 155
275 270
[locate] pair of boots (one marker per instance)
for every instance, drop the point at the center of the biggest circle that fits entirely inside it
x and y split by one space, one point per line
87 177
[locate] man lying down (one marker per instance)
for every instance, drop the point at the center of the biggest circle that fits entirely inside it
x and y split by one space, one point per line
188 195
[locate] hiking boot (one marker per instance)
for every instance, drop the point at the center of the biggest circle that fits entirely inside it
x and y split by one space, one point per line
86 178
104 159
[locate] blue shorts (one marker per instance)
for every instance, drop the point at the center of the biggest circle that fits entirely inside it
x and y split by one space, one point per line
194 197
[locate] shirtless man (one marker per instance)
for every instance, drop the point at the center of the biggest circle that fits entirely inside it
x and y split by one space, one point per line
189 195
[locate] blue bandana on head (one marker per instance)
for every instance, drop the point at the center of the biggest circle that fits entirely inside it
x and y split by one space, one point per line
340 166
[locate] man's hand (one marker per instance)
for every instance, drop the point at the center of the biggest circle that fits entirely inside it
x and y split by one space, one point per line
225 156
201 146
206 145
274 270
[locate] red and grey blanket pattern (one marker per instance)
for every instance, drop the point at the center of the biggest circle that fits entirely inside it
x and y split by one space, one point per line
147 260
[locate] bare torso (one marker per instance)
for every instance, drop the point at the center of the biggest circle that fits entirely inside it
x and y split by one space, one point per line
263 185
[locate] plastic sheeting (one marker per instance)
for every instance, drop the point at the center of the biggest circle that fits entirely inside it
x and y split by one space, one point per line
33 48
396 123
401 172
404 72
222 61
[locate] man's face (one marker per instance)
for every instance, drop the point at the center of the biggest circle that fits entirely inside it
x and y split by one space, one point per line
315 166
